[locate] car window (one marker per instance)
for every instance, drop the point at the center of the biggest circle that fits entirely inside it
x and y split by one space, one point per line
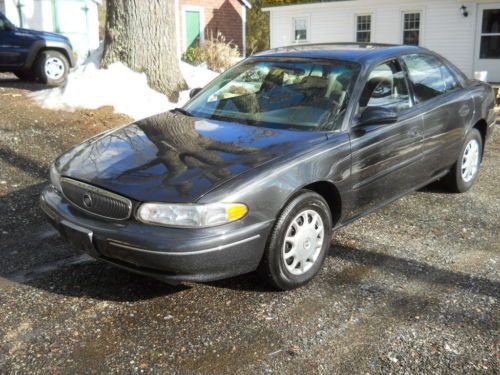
2 24
289 93
450 80
386 87
430 76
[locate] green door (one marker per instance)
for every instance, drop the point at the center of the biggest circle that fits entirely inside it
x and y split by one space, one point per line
193 23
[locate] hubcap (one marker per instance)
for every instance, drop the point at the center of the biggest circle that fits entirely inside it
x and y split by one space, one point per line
54 68
470 161
303 242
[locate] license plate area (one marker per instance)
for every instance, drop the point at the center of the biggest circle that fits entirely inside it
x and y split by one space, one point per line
79 237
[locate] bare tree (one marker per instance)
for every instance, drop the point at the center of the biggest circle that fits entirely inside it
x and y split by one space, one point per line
142 35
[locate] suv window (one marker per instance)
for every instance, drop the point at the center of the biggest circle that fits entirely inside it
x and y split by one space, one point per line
386 87
430 76
3 24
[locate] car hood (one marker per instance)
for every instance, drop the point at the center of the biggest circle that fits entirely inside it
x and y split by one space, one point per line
175 158
44 35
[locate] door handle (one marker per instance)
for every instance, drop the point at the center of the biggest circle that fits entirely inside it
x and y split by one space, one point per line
464 110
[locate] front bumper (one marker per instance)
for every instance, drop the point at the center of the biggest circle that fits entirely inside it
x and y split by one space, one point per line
169 254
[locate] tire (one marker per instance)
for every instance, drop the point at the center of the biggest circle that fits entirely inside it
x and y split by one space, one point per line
277 262
52 68
26 75
458 180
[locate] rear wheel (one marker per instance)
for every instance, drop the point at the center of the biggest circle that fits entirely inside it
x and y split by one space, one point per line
52 68
466 170
299 242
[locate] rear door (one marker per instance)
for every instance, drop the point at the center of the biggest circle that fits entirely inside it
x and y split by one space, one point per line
386 159
447 109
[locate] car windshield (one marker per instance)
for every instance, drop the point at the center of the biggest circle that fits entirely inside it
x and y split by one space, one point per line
299 94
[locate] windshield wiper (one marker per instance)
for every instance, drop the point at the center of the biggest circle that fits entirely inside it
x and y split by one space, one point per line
182 111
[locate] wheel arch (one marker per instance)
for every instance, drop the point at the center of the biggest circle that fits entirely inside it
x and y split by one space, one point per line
63 51
482 127
41 46
330 193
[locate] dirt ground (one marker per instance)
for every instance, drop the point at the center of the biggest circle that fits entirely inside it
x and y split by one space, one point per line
410 289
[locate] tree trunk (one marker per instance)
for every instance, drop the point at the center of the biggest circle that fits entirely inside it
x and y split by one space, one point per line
142 35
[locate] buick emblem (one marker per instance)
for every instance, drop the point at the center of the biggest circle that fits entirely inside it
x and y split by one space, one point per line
87 200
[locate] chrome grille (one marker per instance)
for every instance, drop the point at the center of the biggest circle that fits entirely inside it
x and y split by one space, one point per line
95 200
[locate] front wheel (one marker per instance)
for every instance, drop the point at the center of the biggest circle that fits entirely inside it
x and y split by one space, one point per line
466 170
52 68
299 242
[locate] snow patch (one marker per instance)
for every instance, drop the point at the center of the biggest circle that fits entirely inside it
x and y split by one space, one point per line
89 87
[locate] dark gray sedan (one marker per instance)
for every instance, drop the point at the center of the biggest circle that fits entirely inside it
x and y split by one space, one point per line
262 164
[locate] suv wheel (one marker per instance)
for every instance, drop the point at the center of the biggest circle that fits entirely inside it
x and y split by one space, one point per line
299 242
466 170
26 75
52 68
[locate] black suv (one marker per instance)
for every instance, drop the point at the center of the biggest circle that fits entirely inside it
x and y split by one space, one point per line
33 55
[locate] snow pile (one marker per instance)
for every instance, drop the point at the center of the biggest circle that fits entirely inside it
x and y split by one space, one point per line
127 91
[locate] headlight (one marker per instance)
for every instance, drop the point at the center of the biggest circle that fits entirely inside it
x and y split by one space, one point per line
191 215
55 178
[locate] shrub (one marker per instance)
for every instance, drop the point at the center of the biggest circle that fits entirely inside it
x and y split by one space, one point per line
194 55
220 55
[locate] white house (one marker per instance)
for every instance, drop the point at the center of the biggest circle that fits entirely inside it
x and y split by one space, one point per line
77 19
467 32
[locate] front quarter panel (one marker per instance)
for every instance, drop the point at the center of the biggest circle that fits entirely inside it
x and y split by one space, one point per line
267 189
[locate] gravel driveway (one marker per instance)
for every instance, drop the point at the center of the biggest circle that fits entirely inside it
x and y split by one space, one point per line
410 289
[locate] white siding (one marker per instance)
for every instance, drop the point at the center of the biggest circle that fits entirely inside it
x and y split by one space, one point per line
443 28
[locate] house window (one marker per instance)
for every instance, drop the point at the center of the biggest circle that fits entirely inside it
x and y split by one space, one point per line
411 28
490 34
364 28
300 29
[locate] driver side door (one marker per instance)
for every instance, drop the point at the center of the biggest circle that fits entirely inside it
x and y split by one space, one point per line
14 45
386 157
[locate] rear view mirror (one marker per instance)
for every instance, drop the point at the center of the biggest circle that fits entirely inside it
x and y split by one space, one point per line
194 92
377 116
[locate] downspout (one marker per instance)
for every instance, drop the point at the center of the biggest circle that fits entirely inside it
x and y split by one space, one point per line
19 7
86 10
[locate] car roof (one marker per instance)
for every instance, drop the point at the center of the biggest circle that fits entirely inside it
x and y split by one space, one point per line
356 52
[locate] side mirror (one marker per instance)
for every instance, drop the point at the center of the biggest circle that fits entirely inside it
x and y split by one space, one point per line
377 116
194 92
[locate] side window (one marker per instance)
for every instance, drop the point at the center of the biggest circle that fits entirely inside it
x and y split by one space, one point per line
386 87
2 24
430 77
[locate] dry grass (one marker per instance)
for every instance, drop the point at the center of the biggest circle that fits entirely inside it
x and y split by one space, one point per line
220 54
